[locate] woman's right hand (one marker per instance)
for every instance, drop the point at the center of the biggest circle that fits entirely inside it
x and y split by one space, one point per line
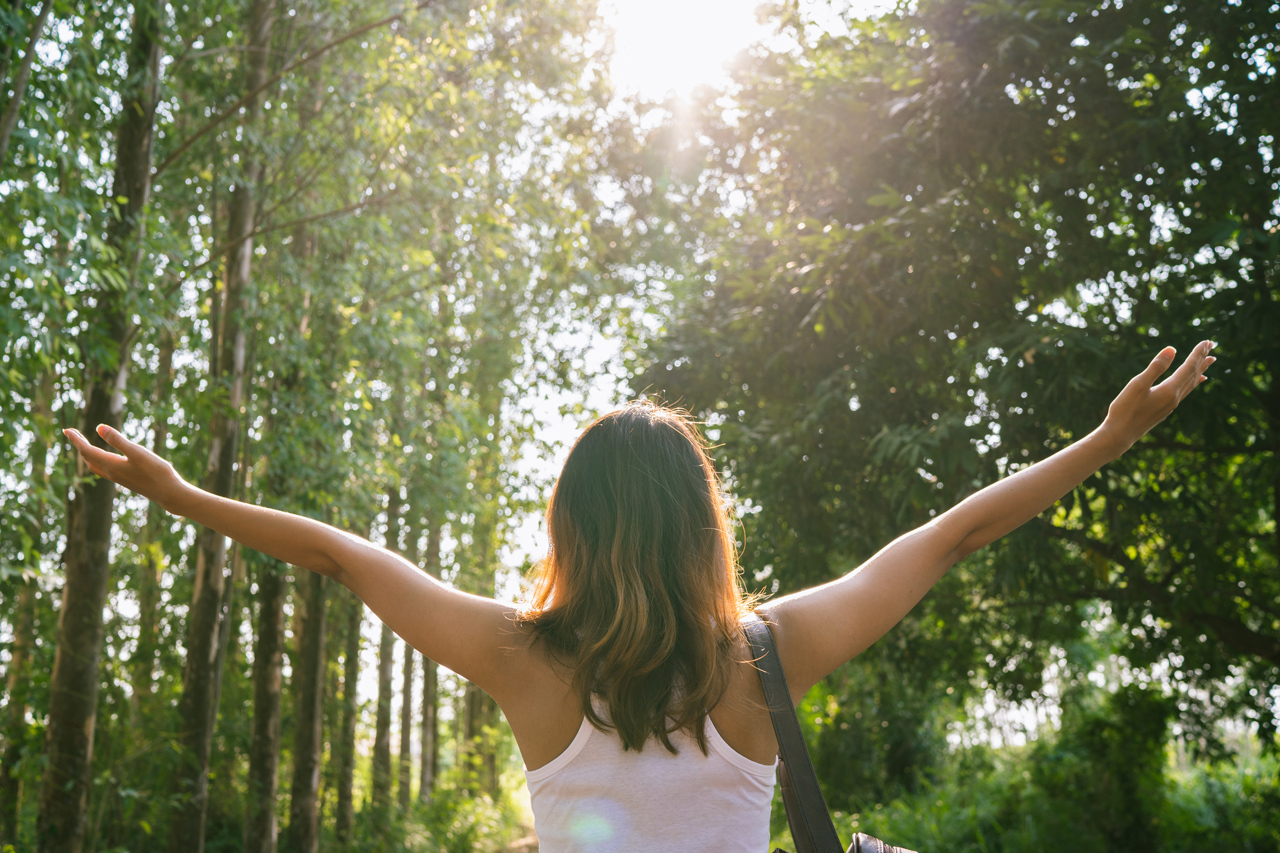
138 469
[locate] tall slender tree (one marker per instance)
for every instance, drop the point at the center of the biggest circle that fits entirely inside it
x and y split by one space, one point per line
381 793
197 709
23 615
264 749
386 664
142 662
264 753
404 780
430 738
404 762
303 835
345 818
493 365
74 684
18 684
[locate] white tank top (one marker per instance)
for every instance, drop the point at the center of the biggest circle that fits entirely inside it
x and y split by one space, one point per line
597 797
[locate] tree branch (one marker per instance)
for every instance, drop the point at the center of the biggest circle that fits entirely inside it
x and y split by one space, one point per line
1232 632
328 214
10 119
219 251
217 120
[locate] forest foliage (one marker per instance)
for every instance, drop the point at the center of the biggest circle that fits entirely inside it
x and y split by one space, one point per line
318 254
927 250
307 252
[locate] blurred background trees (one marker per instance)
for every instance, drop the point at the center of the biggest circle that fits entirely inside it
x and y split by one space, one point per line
326 256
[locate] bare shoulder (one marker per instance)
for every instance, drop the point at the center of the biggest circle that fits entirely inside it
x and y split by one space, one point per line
788 628
741 716
535 691
524 666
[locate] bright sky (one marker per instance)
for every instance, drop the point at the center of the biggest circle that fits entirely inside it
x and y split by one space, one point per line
663 46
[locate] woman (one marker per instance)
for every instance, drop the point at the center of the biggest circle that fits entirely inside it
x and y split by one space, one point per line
626 678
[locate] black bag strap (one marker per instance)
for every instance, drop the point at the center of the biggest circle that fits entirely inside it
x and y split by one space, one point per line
807 814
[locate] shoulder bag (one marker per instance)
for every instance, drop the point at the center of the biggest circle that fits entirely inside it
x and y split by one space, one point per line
811 826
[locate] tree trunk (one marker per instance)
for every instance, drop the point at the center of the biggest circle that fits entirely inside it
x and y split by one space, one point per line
73 688
229 617
404 763
430 731
481 711
331 721
264 748
303 835
405 781
14 109
200 679
430 728
481 717
18 677
386 663
142 664
382 731
16 728
350 711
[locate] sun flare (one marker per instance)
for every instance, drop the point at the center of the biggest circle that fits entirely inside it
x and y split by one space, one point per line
673 46
666 47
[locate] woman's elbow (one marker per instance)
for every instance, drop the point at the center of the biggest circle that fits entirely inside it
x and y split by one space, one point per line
967 546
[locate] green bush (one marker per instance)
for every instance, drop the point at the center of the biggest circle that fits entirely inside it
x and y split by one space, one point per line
1106 782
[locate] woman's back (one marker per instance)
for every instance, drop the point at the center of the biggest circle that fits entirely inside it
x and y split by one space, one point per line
628 793
598 796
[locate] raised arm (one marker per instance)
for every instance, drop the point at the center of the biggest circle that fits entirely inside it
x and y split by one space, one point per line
466 633
821 628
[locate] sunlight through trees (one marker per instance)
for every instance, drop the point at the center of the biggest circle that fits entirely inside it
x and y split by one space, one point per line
337 258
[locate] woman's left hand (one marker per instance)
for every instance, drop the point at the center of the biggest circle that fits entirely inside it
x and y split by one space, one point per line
821 628
1143 404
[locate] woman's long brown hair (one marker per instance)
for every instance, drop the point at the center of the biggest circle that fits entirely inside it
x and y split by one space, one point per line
639 592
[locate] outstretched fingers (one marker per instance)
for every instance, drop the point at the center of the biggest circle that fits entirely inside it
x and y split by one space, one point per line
1191 372
1158 366
1142 405
95 457
133 466
1203 367
113 437
100 461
